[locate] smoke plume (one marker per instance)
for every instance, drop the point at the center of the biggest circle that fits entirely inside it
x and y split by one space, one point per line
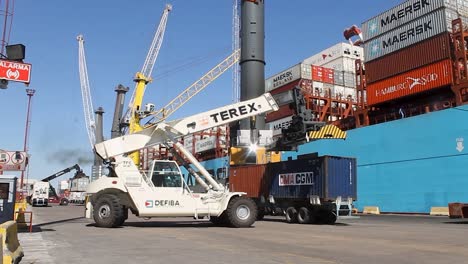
71 156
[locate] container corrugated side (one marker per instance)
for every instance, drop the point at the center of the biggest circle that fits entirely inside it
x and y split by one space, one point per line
283 111
422 79
416 31
398 16
341 177
299 71
415 56
337 51
248 179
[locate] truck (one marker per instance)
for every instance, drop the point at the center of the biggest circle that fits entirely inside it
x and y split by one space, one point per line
309 189
163 192
43 192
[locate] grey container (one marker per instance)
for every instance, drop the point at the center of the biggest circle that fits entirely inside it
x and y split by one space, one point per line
339 78
411 33
398 16
326 177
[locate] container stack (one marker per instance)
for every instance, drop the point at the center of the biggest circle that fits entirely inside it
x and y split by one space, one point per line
340 58
407 48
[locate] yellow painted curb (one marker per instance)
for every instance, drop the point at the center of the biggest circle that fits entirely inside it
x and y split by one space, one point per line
444 211
12 250
371 210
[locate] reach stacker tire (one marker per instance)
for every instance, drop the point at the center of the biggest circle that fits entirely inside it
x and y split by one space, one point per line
304 216
108 212
241 212
291 215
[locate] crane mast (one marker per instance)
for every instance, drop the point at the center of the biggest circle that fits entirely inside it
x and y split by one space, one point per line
86 93
235 46
144 76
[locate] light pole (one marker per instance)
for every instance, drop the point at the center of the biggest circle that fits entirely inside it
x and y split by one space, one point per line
30 93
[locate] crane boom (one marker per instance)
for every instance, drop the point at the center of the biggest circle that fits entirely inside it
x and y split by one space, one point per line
60 173
86 93
195 88
163 132
144 76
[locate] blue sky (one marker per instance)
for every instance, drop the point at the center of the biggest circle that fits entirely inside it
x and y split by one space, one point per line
118 34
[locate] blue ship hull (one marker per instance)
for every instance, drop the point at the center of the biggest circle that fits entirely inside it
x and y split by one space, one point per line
407 165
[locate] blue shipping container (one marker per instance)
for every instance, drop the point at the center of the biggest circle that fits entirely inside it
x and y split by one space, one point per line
327 177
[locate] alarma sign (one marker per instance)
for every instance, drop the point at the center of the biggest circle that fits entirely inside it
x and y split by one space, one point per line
15 71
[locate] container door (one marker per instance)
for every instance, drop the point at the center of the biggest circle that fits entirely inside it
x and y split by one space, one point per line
340 177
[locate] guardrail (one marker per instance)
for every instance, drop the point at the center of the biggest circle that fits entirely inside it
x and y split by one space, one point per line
12 251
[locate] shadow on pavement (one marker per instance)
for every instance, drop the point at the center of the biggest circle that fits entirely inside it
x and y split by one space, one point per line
465 222
278 220
166 224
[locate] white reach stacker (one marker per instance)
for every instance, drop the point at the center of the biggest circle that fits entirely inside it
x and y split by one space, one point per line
163 192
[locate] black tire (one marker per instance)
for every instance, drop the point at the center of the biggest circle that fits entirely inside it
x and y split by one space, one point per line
241 212
219 220
261 214
331 218
304 216
124 216
291 215
64 202
108 212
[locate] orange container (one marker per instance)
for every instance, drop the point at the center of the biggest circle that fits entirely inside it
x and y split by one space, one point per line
248 179
422 79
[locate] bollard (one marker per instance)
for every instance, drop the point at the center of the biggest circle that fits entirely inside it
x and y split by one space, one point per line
12 250
371 210
439 211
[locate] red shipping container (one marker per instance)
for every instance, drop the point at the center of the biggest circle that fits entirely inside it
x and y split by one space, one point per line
328 75
418 55
248 179
317 73
425 78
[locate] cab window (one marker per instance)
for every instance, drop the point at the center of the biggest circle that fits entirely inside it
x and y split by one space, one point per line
166 174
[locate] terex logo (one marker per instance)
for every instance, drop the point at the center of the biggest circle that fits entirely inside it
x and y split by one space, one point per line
235 112
403 12
409 84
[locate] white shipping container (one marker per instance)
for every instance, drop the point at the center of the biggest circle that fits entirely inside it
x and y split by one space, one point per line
188 143
317 88
342 64
411 33
328 89
64 185
340 50
299 71
205 144
349 79
339 78
279 124
79 184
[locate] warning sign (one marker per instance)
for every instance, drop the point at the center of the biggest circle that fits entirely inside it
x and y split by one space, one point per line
15 71
12 160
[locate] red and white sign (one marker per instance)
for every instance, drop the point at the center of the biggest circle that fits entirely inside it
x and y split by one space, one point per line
15 71
12 160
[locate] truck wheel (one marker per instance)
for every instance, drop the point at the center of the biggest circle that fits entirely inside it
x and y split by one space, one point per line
241 212
291 215
108 212
64 202
303 216
331 218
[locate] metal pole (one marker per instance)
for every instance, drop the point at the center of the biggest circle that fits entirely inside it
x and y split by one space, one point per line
30 93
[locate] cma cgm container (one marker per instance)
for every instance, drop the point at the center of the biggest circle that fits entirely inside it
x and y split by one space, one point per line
307 190
422 79
425 27
418 55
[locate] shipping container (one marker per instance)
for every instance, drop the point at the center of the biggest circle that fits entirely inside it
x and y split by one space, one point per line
299 71
418 55
398 16
79 184
339 78
284 98
317 73
344 92
328 75
317 88
342 64
279 124
422 79
248 179
326 177
349 79
416 31
340 50
205 144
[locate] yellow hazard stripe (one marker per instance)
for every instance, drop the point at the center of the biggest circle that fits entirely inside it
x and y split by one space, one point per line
328 132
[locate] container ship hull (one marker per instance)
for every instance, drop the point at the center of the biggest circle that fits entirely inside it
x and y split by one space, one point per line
407 165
